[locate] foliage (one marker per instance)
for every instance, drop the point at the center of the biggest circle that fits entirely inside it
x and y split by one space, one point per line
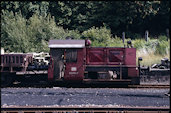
133 17
162 37
28 26
150 59
163 48
98 36
139 43
153 46
32 35
116 42
13 35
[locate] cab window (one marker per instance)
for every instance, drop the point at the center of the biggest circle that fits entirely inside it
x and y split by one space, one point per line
71 55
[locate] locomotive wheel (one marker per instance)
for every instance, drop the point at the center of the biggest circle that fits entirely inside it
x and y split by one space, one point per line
7 79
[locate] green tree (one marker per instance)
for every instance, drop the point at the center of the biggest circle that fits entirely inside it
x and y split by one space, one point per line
13 32
133 17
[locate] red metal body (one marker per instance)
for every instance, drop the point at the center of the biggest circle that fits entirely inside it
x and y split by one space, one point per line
91 62
15 62
74 71
130 62
104 56
110 56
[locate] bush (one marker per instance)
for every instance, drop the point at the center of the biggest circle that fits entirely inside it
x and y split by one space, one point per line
73 33
116 42
163 48
162 38
138 43
32 35
98 36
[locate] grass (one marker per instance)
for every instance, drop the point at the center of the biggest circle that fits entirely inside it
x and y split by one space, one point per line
153 51
149 59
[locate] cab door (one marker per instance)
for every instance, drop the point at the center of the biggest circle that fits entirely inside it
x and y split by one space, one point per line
74 70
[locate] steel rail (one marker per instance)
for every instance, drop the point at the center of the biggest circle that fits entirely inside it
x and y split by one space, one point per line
149 86
77 109
129 86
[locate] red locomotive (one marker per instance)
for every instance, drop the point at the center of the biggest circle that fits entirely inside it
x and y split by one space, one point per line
75 61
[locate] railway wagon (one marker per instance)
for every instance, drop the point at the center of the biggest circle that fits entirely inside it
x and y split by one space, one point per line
13 63
20 66
76 61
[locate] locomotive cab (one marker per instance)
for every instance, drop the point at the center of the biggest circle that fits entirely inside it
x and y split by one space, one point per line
67 58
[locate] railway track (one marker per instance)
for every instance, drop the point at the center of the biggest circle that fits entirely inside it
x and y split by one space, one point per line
149 86
44 85
77 109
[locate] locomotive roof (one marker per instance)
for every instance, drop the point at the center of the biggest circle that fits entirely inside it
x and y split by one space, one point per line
66 43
